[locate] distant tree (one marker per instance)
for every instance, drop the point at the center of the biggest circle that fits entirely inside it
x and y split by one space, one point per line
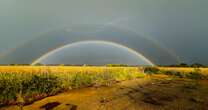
39 64
13 64
117 65
194 65
197 65
183 65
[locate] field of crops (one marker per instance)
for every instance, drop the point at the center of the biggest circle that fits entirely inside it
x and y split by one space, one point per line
184 70
25 84
63 69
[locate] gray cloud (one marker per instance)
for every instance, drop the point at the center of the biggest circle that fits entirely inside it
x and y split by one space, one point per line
179 25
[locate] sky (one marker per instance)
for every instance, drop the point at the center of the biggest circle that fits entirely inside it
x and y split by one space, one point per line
179 27
97 53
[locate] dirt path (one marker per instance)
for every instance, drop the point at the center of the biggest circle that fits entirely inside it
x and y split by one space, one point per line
138 94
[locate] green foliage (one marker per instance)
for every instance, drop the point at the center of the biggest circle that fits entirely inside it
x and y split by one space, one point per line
194 65
9 87
39 64
196 74
183 65
41 84
81 80
174 73
169 72
34 86
151 70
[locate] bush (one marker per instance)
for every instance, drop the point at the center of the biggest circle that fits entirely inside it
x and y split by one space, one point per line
81 80
195 75
9 87
168 72
174 73
41 84
151 70
13 84
117 65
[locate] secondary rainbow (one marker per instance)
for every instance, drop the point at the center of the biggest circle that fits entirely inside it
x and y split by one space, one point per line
156 43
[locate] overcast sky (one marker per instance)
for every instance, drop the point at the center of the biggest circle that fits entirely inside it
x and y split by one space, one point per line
179 25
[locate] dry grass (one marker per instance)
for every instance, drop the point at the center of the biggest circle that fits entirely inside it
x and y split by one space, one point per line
63 69
184 70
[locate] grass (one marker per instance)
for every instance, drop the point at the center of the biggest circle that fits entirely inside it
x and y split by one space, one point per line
27 84
189 73
22 85
165 88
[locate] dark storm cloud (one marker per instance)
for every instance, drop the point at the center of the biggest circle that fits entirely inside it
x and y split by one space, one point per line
180 25
55 39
